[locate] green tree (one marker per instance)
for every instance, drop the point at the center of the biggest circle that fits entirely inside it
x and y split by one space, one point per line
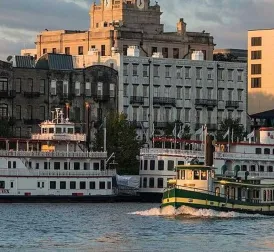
225 57
121 139
238 130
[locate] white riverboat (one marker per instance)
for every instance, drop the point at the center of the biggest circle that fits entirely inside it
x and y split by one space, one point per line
54 165
251 160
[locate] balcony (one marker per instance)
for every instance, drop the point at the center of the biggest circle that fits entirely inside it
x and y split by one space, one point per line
206 102
232 104
136 100
160 125
164 101
32 121
32 94
7 94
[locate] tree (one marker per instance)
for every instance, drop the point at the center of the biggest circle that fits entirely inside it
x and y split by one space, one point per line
225 57
238 130
121 139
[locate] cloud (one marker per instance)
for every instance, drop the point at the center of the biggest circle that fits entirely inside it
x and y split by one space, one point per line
226 20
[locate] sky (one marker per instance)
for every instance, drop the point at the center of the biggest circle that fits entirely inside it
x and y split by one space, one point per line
226 20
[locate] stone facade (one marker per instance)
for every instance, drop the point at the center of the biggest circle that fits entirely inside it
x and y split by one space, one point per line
119 24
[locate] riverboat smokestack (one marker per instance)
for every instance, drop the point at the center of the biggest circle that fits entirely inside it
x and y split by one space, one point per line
209 150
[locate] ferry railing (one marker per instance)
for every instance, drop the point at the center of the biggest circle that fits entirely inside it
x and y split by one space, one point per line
158 151
256 174
243 156
54 173
56 154
67 137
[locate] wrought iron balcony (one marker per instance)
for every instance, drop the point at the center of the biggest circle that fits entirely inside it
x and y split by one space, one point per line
232 104
32 94
160 125
7 94
136 100
164 101
206 102
32 121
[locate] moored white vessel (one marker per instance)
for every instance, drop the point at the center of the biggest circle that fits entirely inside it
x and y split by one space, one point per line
54 165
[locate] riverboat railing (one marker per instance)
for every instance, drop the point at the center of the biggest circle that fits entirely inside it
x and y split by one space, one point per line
256 174
159 151
243 156
54 173
60 137
55 154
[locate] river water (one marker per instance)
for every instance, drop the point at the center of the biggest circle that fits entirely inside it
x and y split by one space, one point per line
130 227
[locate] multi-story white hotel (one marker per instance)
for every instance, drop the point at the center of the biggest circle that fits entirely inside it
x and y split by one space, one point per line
157 90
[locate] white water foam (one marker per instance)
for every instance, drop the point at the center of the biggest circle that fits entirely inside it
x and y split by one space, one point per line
184 210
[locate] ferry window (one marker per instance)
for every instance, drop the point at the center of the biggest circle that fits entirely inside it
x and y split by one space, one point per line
52 185
30 164
72 185
56 165
76 166
102 185
58 130
141 165
196 175
145 183
266 151
51 130
244 168
37 166
82 185
183 174
151 182
181 162
92 185
270 168
62 184
170 165
204 175
217 191
9 164
152 164
96 166
45 165
70 130
189 175
86 166
145 165
11 184
233 193
14 164
160 182
66 165
161 165
258 151
252 168
38 184
261 168
109 185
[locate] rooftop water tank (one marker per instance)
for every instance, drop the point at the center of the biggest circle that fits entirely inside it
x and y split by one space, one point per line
197 55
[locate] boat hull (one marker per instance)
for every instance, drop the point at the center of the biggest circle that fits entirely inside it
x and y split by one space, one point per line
178 197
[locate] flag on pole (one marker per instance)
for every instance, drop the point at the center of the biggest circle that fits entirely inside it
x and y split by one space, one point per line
226 134
250 135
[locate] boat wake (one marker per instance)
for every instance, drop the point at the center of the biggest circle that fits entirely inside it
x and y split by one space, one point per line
170 211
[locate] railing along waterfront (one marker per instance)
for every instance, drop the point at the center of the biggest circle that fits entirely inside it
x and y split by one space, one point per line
66 137
159 151
243 156
56 154
56 173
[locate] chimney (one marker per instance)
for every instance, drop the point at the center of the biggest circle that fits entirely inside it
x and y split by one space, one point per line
181 27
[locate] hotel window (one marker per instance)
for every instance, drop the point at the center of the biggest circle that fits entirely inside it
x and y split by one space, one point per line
187 93
256 41
80 50
256 55
44 50
103 50
135 90
151 182
175 53
77 88
220 116
220 74
178 114
99 88
42 113
111 90
179 93
256 69
29 112
18 85
168 114
135 114
240 75
167 92
145 70
52 185
154 50
168 71
125 70
30 84
3 110
187 115
62 184
240 94
54 51
198 116
156 114
230 74
160 182
156 71
165 52
125 90
187 72
88 89
67 50
145 91
230 93
65 88
179 72
198 73
53 87
256 82
156 91
210 74
72 185
209 116
42 86
198 93
135 70
145 114
209 93
92 185
82 185
18 112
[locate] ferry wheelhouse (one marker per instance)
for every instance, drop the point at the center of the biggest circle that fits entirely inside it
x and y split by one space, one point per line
54 165
254 159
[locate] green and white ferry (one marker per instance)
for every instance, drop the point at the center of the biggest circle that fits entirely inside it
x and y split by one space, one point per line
197 186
